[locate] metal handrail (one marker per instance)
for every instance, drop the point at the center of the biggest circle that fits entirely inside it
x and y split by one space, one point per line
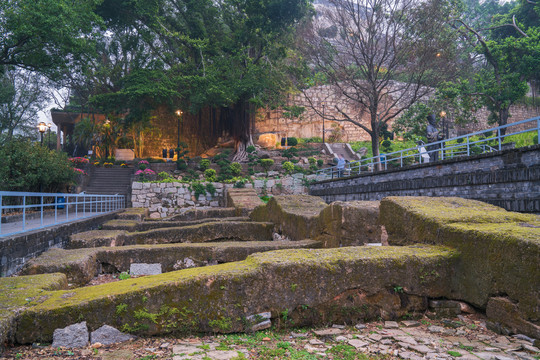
81 205
442 148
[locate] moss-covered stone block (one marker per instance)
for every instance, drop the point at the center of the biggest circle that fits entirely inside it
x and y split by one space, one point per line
500 249
121 224
97 238
350 223
205 232
505 317
80 265
296 216
200 214
218 298
137 214
17 292
243 200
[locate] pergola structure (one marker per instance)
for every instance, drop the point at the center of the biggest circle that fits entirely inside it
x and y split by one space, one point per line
65 122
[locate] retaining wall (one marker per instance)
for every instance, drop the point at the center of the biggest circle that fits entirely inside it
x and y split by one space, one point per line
509 179
16 250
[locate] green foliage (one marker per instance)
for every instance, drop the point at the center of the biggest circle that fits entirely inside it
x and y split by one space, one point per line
290 153
292 141
250 149
211 189
312 160
210 174
266 164
265 198
223 324
320 162
240 184
204 164
199 189
124 276
164 175
288 167
181 156
27 166
454 353
236 168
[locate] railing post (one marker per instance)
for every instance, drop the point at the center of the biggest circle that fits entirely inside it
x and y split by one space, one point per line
41 210
499 138
1 214
468 147
67 207
401 159
24 212
76 206
55 208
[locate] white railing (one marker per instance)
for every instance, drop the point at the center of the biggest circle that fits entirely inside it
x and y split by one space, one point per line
463 145
24 211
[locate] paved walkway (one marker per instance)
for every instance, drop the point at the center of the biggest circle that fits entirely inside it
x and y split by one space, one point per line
16 227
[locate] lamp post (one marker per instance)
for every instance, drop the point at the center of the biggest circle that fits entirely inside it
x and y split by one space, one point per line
444 124
49 136
323 124
179 113
42 127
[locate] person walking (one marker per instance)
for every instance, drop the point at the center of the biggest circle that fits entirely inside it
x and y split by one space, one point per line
340 165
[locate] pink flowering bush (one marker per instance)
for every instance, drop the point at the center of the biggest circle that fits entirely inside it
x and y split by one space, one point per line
143 164
78 160
145 172
80 171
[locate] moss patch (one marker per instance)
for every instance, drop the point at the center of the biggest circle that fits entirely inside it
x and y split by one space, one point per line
95 238
243 200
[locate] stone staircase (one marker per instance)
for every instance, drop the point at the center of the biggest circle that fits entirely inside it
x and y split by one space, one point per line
110 181
343 149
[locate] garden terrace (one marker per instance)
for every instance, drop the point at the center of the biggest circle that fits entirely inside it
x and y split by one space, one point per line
130 225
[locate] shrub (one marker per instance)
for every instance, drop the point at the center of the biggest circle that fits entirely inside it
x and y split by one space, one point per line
320 162
199 189
460 140
292 141
210 174
240 184
266 164
288 167
251 171
164 175
298 169
386 144
204 164
290 153
211 189
314 139
27 166
311 160
250 149
236 168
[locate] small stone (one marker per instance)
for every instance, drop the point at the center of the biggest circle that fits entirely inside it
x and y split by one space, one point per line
222 355
328 332
375 337
341 338
466 308
72 336
523 337
316 342
435 329
410 323
531 348
360 326
96 345
492 349
391 325
298 335
266 339
108 335
338 326
138 269
386 342
357 343
164 345
423 349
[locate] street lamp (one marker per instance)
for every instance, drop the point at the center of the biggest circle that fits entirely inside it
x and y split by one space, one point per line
42 127
444 124
179 113
323 124
49 136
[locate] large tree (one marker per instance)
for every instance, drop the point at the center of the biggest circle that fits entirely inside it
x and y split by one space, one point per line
225 55
380 55
43 35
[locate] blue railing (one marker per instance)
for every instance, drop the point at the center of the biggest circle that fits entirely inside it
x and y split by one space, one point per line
458 146
24 211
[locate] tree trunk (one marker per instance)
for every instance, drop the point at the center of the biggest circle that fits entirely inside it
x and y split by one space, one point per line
504 113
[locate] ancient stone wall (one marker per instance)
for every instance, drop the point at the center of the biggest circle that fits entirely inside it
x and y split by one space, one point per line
165 199
509 179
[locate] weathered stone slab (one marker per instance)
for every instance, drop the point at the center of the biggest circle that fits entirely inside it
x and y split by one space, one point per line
201 214
295 216
204 299
72 336
96 238
81 265
243 200
500 250
134 213
231 230
350 223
